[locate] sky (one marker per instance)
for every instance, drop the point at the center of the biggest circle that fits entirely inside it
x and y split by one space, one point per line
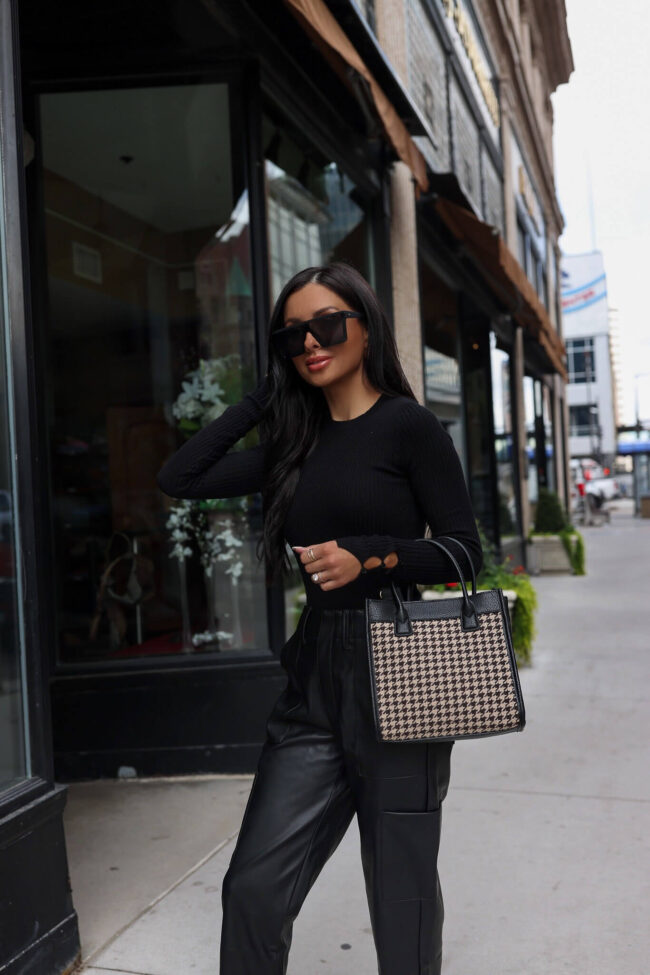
602 165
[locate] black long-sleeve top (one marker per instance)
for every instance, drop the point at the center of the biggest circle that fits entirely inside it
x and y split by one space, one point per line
371 483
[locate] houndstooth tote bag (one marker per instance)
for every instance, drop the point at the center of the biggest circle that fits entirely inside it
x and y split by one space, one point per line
442 670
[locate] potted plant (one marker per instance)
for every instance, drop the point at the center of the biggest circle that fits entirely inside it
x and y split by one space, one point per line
554 545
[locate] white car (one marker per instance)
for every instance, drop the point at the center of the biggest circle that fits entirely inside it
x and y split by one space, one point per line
589 478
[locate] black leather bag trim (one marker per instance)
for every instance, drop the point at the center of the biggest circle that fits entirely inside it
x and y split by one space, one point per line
383 610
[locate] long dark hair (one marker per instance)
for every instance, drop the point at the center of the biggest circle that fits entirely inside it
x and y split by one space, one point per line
291 423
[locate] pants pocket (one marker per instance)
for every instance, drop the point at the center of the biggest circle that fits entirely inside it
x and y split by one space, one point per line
408 854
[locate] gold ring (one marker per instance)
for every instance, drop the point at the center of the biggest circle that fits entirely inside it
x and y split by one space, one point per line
311 555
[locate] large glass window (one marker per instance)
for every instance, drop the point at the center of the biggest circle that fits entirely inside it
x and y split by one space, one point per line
549 444
580 360
583 420
508 514
531 445
442 379
14 764
315 212
149 334
539 440
478 406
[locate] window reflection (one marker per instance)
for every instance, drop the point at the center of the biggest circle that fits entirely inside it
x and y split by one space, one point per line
150 336
539 440
531 445
315 213
509 531
547 414
442 380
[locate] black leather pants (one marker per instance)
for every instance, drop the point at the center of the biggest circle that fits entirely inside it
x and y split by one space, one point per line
319 765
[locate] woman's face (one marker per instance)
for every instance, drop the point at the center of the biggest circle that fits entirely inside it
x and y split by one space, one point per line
343 359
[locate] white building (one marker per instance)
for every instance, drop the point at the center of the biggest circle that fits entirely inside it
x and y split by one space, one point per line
590 390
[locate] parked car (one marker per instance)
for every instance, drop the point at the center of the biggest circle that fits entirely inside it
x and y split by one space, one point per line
592 479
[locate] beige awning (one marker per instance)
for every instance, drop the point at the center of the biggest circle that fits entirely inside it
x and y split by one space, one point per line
504 274
327 34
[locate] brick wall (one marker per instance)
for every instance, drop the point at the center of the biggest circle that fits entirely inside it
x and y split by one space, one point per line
427 83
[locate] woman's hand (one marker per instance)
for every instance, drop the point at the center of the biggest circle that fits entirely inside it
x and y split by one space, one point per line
335 566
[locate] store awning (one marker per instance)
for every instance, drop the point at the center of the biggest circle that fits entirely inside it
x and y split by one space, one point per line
504 275
633 447
325 31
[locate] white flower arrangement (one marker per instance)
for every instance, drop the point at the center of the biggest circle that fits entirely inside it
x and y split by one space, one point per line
179 524
203 399
219 546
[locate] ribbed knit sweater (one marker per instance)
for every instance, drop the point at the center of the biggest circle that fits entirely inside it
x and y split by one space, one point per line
371 483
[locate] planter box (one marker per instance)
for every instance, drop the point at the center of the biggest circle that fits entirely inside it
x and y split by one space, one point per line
546 553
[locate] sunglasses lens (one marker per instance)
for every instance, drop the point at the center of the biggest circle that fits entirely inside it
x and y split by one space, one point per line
289 342
328 330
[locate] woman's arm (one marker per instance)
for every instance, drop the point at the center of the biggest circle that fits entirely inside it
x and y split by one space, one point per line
201 468
438 484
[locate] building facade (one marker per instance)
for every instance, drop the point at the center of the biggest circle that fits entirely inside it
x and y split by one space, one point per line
591 392
165 168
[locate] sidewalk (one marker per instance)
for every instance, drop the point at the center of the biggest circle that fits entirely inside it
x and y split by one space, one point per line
544 848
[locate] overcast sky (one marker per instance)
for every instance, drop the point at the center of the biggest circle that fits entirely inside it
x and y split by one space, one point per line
602 143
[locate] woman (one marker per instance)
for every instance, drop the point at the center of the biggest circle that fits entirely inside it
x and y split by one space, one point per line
351 467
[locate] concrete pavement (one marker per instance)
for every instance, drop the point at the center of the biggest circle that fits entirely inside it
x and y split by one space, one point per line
544 850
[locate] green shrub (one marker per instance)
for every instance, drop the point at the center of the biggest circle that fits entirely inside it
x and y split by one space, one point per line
550 515
524 629
574 545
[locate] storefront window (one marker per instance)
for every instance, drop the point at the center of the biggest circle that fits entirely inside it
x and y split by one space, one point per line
547 414
508 513
13 709
478 406
539 440
315 215
442 379
531 442
149 335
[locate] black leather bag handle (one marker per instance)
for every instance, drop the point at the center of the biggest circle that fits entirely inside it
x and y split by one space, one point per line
467 556
468 611
410 590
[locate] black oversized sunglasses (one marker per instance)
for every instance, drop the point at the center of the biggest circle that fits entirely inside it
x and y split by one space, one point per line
327 330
